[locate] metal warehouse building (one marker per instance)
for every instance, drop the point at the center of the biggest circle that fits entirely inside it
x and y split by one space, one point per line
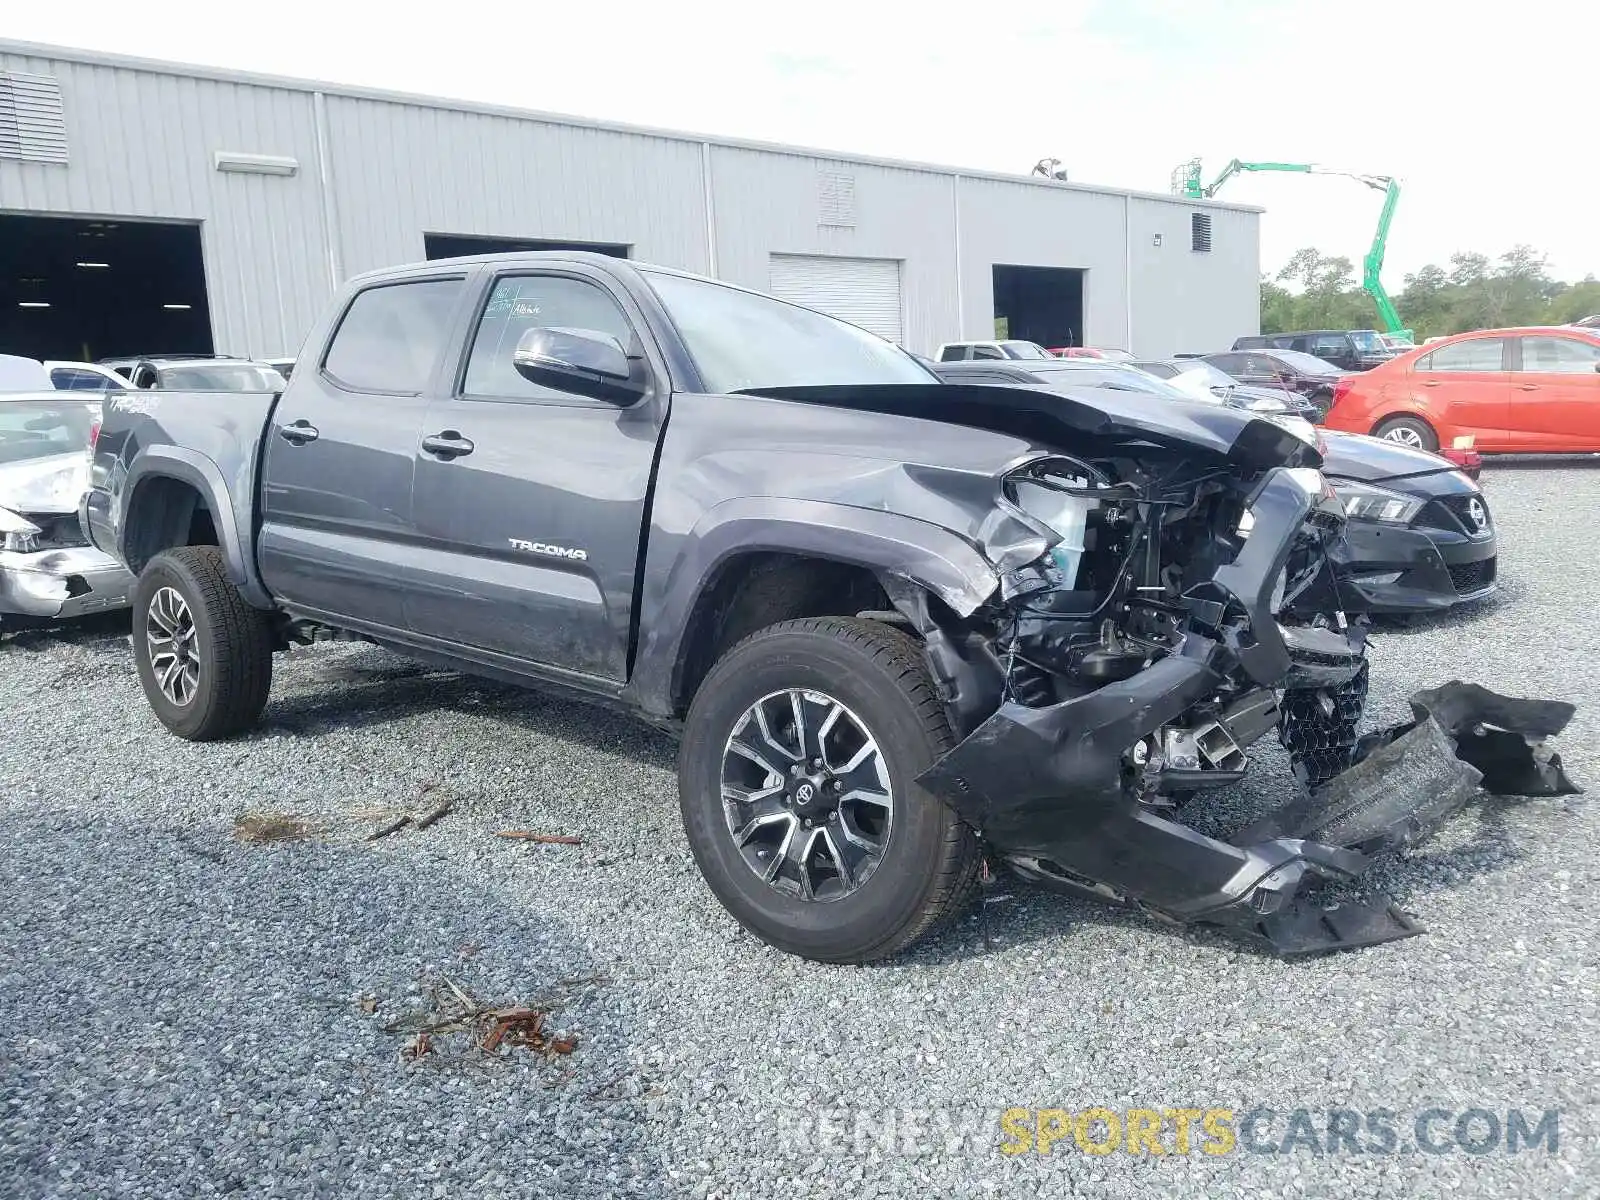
151 207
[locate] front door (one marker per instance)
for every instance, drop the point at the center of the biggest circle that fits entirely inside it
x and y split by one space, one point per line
338 454
531 502
1555 393
1466 386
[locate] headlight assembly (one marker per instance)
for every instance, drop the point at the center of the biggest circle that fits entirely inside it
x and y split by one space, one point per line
1368 502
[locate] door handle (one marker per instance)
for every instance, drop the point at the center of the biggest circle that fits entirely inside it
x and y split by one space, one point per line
1527 387
1430 383
447 444
299 433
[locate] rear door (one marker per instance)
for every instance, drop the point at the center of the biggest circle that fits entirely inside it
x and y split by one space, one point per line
531 519
1466 386
1555 392
337 532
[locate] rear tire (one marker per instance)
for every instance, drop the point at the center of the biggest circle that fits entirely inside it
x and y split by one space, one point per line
1408 431
863 676
204 656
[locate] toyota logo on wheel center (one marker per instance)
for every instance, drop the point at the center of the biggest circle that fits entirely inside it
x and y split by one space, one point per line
804 793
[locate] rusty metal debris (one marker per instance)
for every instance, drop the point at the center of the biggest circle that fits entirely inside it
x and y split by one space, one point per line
484 1029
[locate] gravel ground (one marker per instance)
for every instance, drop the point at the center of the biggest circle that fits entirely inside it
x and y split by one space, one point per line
181 1011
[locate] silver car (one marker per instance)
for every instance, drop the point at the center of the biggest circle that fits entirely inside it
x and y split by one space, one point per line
48 570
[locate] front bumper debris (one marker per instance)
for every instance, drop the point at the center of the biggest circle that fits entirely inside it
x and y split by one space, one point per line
61 583
1043 786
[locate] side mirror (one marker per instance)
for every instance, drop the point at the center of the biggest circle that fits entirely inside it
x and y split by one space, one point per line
584 361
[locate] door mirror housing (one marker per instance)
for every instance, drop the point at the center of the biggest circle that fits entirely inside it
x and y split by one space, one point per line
585 361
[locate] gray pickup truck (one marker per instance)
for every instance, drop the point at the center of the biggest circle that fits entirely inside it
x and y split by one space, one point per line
903 626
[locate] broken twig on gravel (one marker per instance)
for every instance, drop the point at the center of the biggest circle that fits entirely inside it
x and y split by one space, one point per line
554 839
394 826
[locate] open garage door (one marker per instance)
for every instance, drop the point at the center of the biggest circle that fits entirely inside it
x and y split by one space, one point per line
863 291
86 289
460 245
1039 304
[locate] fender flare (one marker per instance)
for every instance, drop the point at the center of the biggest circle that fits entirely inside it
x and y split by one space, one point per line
199 472
943 562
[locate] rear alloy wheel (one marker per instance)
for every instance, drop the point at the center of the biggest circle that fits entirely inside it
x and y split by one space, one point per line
1408 431
203 655
797 782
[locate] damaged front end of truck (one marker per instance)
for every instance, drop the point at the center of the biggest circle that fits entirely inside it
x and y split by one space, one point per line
1187 605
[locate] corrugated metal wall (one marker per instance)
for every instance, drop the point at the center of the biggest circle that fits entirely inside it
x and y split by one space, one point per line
772 203
402 170
141 144
1183 301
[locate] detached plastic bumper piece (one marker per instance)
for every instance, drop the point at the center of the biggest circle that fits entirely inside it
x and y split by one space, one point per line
1046 788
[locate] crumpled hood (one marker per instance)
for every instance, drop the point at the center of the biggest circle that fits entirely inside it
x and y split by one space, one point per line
1060 417
1356 456
45 485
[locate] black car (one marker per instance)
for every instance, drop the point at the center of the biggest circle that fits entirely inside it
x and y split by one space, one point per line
1203 380
1351 349
1289 369
1419 528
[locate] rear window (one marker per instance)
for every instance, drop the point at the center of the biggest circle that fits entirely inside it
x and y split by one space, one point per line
221 377
391 336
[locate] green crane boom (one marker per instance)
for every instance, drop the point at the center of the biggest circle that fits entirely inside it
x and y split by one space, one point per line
1188 181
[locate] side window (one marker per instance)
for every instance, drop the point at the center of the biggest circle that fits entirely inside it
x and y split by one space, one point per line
1560 356
1228 364
144 376
987 352
391 336
519 303
1479 354
1301 344
952 354
1328 346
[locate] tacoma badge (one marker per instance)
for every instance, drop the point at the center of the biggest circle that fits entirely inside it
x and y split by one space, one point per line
546 548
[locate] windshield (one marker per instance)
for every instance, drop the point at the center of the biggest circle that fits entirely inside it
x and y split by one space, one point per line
1025 350
1367 341
1309 363
741 341
30 429
1121 379
221 377
1202 377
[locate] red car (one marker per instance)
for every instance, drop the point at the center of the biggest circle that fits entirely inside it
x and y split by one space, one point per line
1101 352
1526 391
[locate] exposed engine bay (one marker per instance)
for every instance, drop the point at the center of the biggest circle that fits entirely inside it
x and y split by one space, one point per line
1188 605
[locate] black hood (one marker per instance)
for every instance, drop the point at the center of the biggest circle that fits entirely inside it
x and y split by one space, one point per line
1062 417
1369 459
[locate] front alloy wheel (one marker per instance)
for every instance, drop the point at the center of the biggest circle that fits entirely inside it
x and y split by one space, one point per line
174 655
797 780
806 793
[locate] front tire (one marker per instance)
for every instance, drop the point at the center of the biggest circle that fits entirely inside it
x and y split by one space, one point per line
204 655
796 782
1408 431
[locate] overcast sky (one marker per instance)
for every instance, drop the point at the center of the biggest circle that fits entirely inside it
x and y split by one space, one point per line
1488 115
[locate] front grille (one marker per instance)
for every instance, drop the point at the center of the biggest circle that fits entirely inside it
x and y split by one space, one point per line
1474 576
1455 514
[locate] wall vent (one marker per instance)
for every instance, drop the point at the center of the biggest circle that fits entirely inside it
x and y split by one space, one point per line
1200 233
33 127
836 199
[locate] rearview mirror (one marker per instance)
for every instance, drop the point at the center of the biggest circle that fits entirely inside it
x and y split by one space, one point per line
584 361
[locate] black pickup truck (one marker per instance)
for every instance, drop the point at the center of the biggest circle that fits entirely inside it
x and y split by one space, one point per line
903 626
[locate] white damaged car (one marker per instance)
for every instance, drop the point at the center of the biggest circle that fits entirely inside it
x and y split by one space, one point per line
48 570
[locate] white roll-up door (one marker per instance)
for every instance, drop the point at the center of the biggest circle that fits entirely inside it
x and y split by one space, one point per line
863 291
